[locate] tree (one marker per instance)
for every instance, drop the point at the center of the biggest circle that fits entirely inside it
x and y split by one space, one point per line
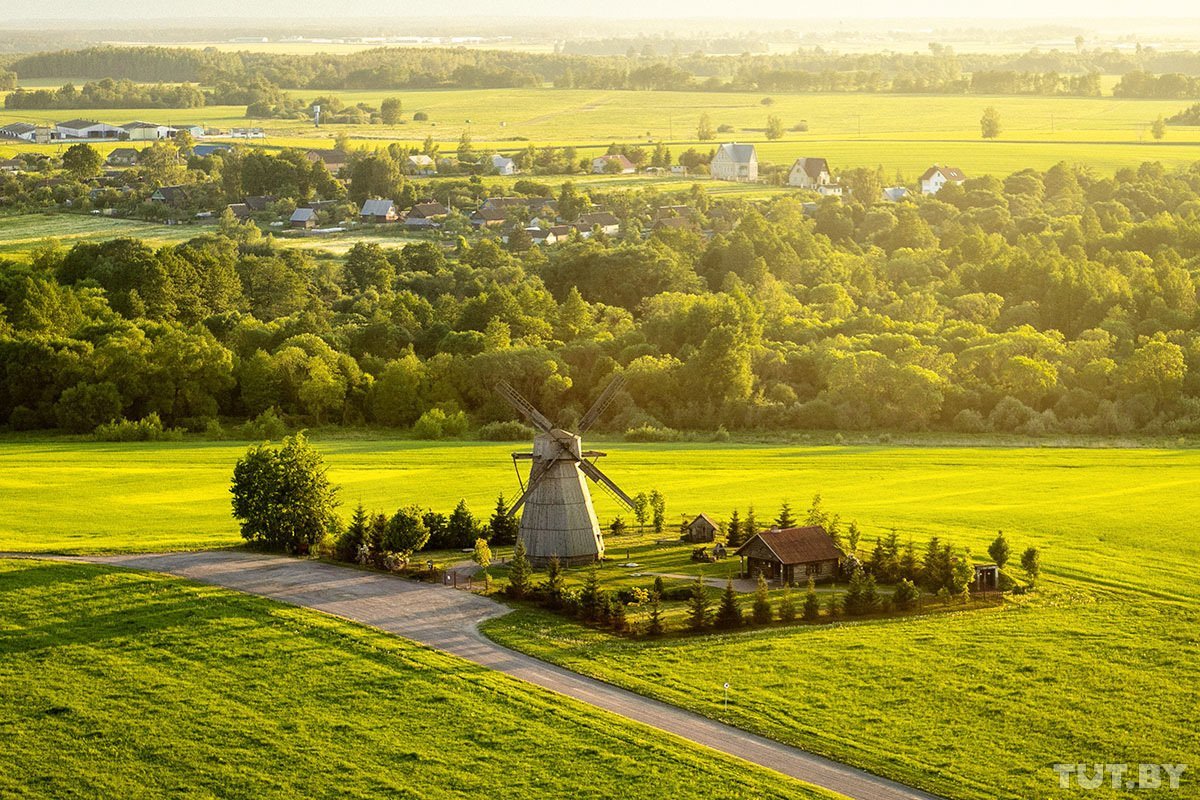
483 557
462 527
785 518
554 587
641 505
853 535
502 527
989 123
699 605
82 161
774 127
733 531
406 532
762 602
658 507
1158 128
520 573
590 596
656 624
1031 562
617 527
391 111
282 496
812 604
999 551
704 131
787 606
617 619
466 150
729 613
906 595
750 528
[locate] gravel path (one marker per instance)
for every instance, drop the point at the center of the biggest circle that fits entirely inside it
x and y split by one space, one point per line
448 620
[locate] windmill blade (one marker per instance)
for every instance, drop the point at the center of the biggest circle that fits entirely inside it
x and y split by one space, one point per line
523 406
602 402
534 480
593 472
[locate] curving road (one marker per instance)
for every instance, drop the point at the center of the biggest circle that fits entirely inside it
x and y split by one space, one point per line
447 619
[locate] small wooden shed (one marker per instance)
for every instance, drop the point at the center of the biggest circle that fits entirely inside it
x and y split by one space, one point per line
701 529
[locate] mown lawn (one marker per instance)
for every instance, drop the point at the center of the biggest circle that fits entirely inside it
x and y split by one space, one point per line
119 684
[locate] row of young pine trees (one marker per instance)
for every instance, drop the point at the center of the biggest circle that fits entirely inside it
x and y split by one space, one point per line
942 570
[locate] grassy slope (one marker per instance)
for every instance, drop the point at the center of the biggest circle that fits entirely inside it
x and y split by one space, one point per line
117 684
903 133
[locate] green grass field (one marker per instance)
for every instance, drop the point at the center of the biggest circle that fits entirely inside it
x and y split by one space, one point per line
120 684
1099 666
903 133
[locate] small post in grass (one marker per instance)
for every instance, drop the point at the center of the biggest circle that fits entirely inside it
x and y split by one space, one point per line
726 698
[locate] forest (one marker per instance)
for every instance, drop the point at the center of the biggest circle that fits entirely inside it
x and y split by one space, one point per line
939 71
1048 302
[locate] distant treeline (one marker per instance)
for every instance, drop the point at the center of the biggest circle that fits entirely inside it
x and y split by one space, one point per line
939 71
653 46
108 93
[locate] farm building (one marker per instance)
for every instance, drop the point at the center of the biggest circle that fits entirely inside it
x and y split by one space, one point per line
145 131
503 165
19 130
894 194
612 165
204 150
170 195
735 162
86 129
606 221
334 160
123 157
934 178
987 578
420 165
425 215
11 165
305 218
791 555
378 210
813 174
701 529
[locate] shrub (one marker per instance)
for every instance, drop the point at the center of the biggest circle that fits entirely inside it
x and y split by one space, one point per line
266 426
650 433
147 429
437 424
508 431
906 595
86 405
214 431
969 421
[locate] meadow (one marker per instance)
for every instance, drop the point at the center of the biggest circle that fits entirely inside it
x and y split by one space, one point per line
1098 666
902 133
149 686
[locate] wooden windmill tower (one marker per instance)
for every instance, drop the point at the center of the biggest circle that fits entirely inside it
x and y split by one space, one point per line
559 520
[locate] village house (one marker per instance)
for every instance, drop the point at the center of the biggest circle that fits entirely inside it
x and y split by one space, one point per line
11 165
700 530
679 169
541 235
606 221
503 165
247 133
123 157
735 162
205 150
145 131
934 178
425 215
378 210
484 217
420 165
791 555
86 129
305 218
241 212
813 174
334 160
612 165
894 194
170 195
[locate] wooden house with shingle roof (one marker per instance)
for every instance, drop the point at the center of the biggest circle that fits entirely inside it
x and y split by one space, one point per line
792 555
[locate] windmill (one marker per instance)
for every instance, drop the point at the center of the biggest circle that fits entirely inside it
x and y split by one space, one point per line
559 520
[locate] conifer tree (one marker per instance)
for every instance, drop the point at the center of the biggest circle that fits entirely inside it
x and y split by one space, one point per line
787 606
519 572
733 530
999 550
618 619
906 595
656 624
699 605
729 613
785 518
590 597
812 604
502 528
762 602
854 601
751 525
554 587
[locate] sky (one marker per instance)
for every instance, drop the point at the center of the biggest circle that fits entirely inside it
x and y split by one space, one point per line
794 10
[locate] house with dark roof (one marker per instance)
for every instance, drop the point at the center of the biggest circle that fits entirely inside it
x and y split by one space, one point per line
23 131
205 150
11 165
170 195
934 178
792 555
425 215
122 157
735 162
378 210
606 221
334 160
305 218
